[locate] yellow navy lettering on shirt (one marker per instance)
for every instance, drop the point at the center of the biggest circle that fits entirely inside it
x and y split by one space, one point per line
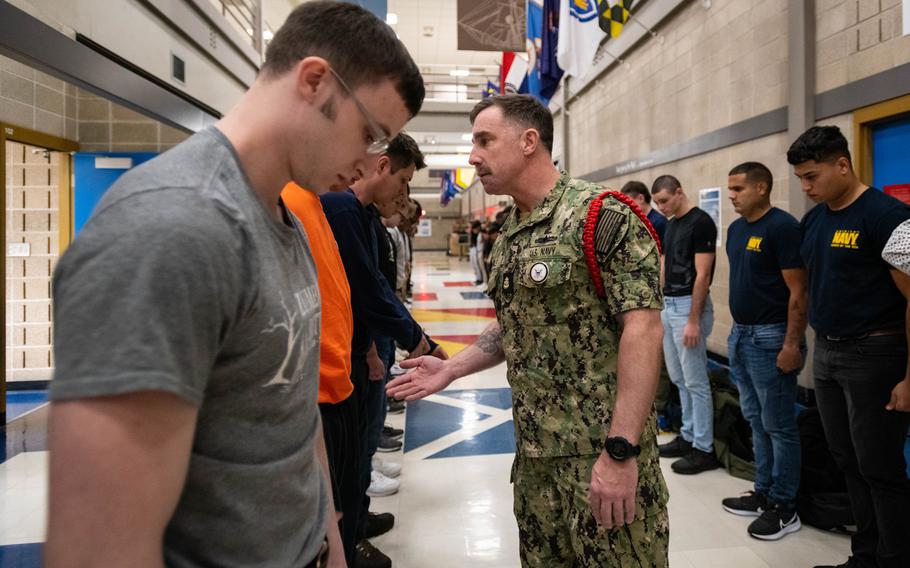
845 239
754 244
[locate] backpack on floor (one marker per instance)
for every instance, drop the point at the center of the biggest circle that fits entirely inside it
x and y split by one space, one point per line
732 433
822 501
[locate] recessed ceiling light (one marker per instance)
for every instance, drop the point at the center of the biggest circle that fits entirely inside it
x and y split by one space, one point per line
391 18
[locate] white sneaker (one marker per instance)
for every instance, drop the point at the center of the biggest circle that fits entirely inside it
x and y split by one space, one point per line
381 486
388 469
396 370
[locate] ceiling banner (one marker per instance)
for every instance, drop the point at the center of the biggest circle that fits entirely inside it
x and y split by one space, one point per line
492 25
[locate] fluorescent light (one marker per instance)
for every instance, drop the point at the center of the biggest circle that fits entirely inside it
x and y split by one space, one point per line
391 18
464 149
459 72
467 137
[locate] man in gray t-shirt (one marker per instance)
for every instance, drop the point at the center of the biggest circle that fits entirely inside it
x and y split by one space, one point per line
184 422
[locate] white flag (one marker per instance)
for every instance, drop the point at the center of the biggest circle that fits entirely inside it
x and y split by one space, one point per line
518 73
579 36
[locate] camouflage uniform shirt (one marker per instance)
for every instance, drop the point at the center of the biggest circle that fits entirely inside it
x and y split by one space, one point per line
561 340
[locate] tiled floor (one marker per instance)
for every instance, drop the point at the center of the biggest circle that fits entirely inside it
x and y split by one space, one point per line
455 505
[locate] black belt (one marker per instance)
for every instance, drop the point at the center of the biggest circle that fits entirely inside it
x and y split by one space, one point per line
878 333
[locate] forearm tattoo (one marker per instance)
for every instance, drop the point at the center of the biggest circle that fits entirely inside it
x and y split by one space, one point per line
490 342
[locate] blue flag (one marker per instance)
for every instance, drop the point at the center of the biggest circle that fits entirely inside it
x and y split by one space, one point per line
550 72
535 27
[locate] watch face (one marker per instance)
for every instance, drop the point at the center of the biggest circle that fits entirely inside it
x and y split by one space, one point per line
617 448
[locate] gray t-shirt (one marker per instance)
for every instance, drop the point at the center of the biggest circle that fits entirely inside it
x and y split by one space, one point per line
181 282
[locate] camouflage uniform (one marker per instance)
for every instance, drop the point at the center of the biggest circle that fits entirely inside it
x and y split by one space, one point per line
561 342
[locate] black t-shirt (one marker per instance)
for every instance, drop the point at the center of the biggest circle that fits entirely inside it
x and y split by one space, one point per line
385 248
758 252
851 291
692 233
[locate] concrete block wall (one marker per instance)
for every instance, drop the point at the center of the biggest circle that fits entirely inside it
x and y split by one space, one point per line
857 39
104 126
32 192
715 67
32 99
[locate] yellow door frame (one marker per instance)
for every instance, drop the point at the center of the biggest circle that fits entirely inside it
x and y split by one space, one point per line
863 121
48 142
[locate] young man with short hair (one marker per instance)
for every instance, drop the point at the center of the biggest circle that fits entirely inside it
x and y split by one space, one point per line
768 303
858 309
688 317
639 192
184 427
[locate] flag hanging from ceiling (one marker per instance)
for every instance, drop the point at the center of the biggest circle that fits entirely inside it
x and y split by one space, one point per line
535 27
550 71
448 190
613 17
491 90
514 73
579 36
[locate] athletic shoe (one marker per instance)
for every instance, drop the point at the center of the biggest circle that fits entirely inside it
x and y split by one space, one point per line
387 444
386 468
368 556
751 504
850 563
678 448
378 524
696 462
776 522
396 406
393 433
382 486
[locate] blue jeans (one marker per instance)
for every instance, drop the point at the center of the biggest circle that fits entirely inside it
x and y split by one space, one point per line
688 369
768 401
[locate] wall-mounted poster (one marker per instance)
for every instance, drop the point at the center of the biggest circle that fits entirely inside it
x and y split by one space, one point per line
709 202
492 25
425 228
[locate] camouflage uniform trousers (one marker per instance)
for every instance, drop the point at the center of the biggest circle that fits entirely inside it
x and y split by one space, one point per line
556 528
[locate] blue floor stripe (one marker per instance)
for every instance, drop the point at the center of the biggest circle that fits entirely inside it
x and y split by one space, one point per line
21 556
498 440
20 402
427 421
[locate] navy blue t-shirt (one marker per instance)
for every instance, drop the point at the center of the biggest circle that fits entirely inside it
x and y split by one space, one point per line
851 291
659 222
758 252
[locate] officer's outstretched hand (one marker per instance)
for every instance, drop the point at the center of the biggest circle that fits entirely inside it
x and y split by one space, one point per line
429 375
613 488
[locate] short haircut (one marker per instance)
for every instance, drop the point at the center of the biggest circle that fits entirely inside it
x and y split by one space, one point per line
756 172
361 48
403 151
523 110
665 183
819 144
418 211
634 188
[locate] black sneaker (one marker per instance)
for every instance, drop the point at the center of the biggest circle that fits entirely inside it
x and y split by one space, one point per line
393 433
696 461
368 556
378 524
396 406
776 522
751 504
387 444
678 448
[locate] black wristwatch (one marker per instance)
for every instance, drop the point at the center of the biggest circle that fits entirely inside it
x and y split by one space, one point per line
621 449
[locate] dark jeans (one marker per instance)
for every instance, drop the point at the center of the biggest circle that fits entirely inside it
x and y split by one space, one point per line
375 405
360 374
342 443
853 383
768 401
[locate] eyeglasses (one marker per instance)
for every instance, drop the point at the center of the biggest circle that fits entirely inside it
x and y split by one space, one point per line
380 141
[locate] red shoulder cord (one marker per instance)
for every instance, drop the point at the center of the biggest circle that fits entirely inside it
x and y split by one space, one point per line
591 226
